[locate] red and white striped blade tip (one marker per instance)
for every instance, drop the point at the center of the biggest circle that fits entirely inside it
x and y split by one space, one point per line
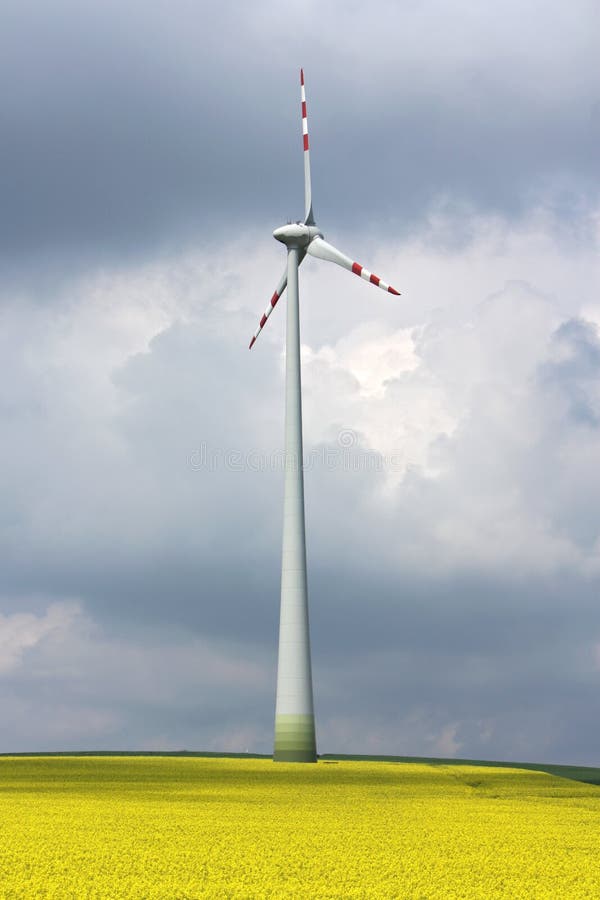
272 304
359 270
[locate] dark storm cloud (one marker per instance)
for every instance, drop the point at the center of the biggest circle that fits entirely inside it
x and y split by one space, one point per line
128 128
525 677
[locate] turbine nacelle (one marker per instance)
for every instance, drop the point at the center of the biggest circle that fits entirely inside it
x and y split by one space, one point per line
296 234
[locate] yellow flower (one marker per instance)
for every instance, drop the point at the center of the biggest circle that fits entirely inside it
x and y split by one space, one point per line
154 828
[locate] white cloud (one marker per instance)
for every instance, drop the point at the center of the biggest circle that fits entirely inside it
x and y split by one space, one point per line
446 744
20 632
114 388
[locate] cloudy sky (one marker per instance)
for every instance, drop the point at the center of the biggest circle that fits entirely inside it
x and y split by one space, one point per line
452 434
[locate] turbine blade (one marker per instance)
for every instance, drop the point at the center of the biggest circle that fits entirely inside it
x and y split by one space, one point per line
308 211
273 302
322 250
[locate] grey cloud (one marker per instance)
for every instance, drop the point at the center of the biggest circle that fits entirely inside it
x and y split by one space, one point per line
572 376
159 690
128 131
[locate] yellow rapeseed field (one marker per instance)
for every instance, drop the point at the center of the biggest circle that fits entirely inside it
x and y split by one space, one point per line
140 827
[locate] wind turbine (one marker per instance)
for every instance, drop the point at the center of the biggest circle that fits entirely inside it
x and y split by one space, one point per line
294 712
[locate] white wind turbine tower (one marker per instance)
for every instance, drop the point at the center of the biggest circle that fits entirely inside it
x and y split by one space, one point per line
294 713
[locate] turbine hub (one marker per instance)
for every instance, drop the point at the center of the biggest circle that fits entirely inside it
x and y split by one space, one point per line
296 234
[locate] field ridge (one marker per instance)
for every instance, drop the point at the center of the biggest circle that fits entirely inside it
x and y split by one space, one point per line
585 774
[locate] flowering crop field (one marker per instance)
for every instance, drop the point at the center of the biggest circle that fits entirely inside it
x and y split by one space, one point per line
176 827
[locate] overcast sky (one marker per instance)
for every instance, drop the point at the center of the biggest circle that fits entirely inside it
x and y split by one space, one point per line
452 434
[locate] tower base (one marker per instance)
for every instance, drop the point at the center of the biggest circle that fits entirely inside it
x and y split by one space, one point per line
295 739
